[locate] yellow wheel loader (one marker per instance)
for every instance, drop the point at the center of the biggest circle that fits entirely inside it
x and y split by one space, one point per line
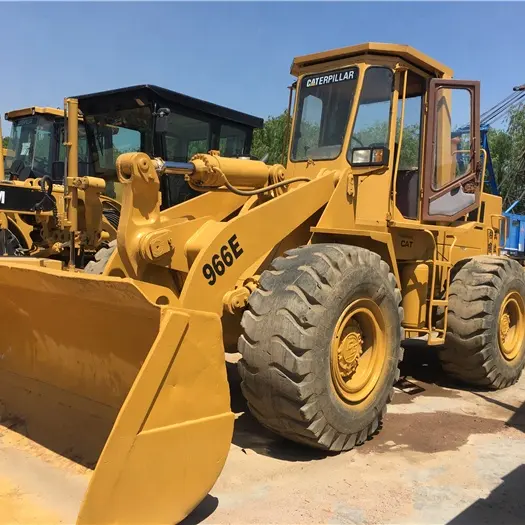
32 188
377 229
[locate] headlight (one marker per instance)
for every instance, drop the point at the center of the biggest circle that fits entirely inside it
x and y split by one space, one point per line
377 156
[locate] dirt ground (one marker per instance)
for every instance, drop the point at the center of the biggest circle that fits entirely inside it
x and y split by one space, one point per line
445 455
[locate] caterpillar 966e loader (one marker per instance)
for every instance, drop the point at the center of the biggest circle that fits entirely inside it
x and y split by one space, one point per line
378 229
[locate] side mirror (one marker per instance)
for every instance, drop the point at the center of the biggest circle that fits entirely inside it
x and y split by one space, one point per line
161 120
372 156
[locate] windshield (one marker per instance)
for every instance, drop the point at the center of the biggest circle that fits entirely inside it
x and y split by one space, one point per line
322 114
31 146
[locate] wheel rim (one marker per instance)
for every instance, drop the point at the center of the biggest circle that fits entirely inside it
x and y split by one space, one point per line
511 328
358 350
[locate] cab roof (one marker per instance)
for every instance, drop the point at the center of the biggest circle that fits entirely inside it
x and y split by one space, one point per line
140 95
33 110
148 94
405 52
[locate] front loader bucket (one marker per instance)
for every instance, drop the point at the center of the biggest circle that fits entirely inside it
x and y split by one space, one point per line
101 374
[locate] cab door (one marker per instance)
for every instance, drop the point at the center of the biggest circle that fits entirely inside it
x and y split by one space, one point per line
452 161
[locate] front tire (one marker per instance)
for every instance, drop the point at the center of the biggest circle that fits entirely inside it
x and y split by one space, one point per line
101 259
485 341
321 345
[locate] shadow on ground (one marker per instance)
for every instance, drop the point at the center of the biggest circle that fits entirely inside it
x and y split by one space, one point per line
505 504
421 364
517 420
205 508
422 375
250 434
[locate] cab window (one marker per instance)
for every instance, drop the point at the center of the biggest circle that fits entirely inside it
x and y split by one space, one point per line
372 124
408 145
323 107
232 141
186 136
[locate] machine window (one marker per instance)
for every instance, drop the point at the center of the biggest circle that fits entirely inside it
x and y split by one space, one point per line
119 132
30 145
83 149
186 136
126 141
453 155
410 148
322 114
197 146
232 141
372 124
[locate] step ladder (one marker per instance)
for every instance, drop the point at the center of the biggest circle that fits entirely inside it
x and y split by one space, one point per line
436 336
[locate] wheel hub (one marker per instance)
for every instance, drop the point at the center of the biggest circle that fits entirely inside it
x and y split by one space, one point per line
358 351
511 332
504 326
350 350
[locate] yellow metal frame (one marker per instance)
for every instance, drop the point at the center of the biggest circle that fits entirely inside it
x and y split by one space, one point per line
35 110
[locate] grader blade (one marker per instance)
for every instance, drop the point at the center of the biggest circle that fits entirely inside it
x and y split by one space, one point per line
101 374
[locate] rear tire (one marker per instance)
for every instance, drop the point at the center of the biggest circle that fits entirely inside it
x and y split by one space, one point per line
101 259
485 341
301 363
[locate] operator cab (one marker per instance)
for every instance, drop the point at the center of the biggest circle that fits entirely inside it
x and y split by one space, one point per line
161 123
363 108
36 145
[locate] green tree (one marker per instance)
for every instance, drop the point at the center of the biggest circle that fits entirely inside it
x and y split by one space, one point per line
500 145
507 148
270 139
5 142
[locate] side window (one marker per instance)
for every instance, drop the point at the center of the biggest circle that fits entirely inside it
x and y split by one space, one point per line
372 123
83 148
231 142
310 127
105 149
407 148
126 140
42 152
186 136
452 154
197 146
411 140
172 147
14 145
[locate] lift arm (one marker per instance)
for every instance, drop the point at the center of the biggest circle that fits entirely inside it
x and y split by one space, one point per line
215 252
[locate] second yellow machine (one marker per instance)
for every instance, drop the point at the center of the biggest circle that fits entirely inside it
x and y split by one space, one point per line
377 229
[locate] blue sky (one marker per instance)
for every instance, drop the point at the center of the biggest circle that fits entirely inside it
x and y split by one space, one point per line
238 54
